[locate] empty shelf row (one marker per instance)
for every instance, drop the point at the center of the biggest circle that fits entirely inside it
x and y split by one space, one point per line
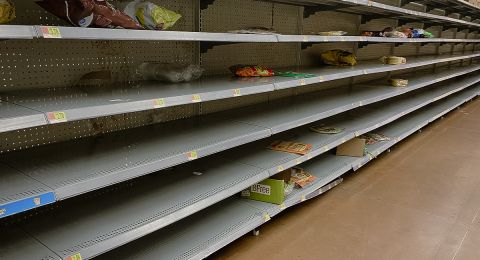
105 221
94 163
30 108
78 33
198 236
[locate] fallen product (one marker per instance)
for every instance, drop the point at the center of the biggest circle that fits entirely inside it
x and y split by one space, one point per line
292 74
417 33
373 138
323 129
89 13
169 72
301 178
251 71
393 60
254 30
331 33
150 15
7 11
339 58
399 83
290 147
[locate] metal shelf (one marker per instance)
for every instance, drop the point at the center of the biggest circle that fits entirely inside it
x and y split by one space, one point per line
13 117
317 38
84 103
19 193
78 33
451 6
104 223
374 10
94 163
17 32
201 234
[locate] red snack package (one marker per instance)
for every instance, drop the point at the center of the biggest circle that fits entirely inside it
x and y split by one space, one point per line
89 13
251 71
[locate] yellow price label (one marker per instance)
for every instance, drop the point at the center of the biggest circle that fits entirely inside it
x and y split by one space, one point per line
344 140
303 198
192 155
266 217
303 82
280 168
321 79
50 32
306 38
326 148
57 117
76 256
282 206
196 98
2 212
309 156
357 133
298 161
158 103
365 72
237 92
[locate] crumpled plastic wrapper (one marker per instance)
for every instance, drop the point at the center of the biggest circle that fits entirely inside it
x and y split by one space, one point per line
89 13
150 15
168 72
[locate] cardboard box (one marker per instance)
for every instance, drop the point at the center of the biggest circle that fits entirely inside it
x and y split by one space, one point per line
354 147
271 190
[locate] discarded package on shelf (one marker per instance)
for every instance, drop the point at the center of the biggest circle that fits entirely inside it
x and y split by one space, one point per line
323 129
331 33
399 83
388 32
150 15
291 74
355 147
251 71
255 30
169 72
272 190
89 13
373 138
290 147
416 33
301 178
393 60
339 58
7 11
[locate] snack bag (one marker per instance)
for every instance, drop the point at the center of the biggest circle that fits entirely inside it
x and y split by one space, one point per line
339 58
7 11
290 147
150 15
89 13
251 71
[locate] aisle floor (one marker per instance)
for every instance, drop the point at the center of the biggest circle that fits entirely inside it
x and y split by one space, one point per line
421 201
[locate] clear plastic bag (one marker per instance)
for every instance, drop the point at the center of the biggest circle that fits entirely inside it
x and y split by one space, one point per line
150 15
168 72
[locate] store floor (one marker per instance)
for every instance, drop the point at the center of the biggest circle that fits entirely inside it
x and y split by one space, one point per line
421 201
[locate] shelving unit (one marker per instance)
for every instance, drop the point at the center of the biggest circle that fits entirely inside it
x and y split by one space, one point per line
149 170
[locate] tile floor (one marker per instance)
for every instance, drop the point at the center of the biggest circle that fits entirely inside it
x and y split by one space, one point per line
421 201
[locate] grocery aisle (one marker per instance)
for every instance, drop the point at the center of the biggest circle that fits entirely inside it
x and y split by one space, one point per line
421 201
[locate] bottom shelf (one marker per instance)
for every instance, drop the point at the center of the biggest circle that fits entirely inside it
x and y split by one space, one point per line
203 233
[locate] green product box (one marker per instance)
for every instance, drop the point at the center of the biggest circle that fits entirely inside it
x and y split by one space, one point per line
269 190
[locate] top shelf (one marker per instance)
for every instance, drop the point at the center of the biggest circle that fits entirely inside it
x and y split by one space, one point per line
76 33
